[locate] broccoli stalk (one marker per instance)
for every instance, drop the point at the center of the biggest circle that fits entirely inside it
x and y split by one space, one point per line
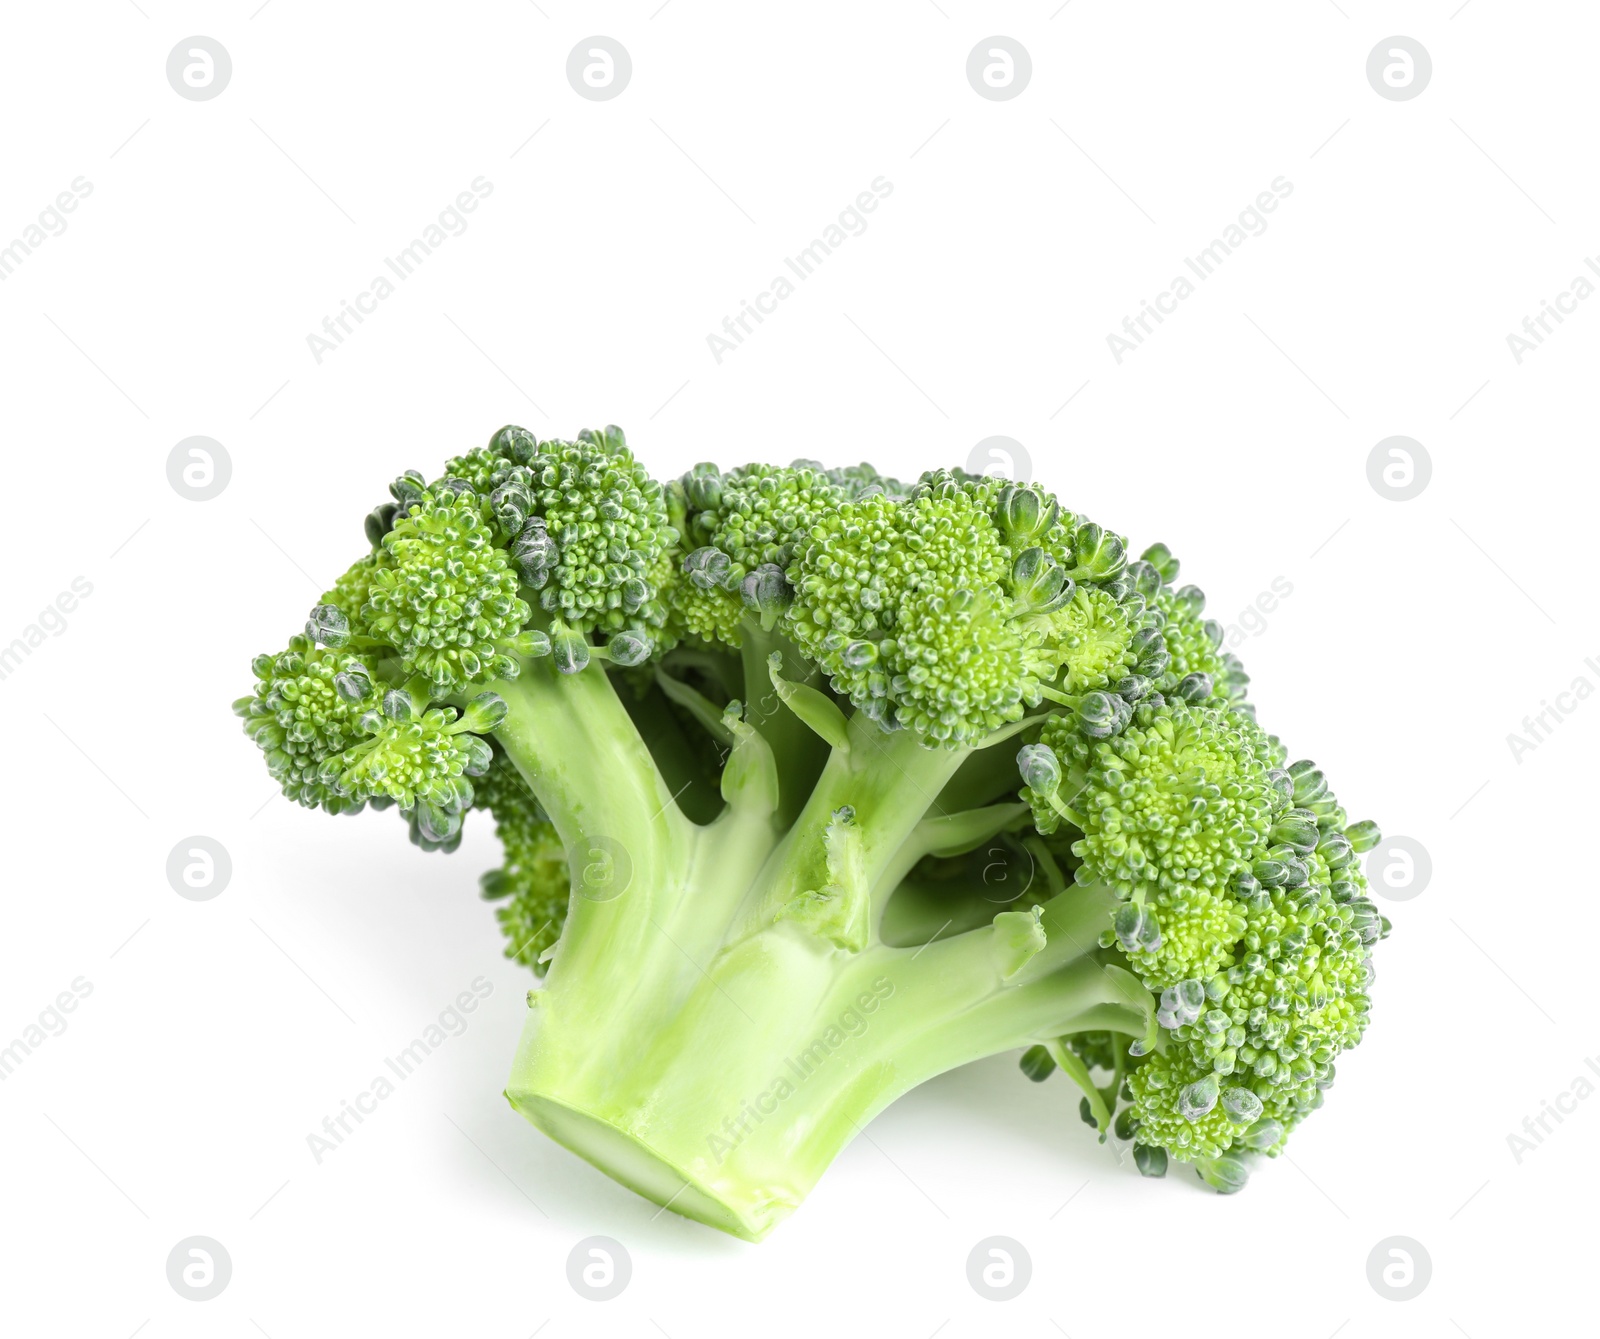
721 1015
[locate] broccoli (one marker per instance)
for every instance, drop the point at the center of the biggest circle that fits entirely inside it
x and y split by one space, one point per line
812 785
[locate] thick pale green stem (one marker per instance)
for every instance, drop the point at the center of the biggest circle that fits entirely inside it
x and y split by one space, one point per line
732 1105
889 780
575 745
720 1017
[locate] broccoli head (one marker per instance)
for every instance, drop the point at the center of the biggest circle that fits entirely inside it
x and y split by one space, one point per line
811 785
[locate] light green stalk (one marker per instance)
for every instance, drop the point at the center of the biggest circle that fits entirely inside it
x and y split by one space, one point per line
721 1017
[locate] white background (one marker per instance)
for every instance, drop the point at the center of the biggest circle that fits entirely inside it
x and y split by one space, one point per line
1018 235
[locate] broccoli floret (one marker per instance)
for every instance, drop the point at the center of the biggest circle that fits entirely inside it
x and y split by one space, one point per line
446 598
532 885
812 785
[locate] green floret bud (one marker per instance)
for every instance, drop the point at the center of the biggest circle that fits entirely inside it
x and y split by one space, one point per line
448 604
352 592
1179 799
1097 554
909 607
1150 1161
1026 514
308 706
1099 636
761 514
533 884
1225 1174
1193 641
701 607
1176 1107
415 757
1037 1063
609 525
1159 556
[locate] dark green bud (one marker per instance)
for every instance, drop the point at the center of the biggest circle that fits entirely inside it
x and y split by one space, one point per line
1240 1105
380 520
1037 584
531 642
571 651
353 684
1025 513
535 553
1194 687
1125 1124
610 436
859 655
1367 921
1281 782
1263 1135
1133 688
1149 652
1310 784
1226 1174
397 705
708 568
766 591
1086 1115
450 486
702 486
1159 556
1363 836
484 713
514 443
408 489
628 648
433 827
1181 1005
1296 829
1037 1064
479 754
1136 928
1335 850
636 593
1150 1159
1144 578
1198 1098
1101 715
1273 872
512 504
1098 554
328 625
